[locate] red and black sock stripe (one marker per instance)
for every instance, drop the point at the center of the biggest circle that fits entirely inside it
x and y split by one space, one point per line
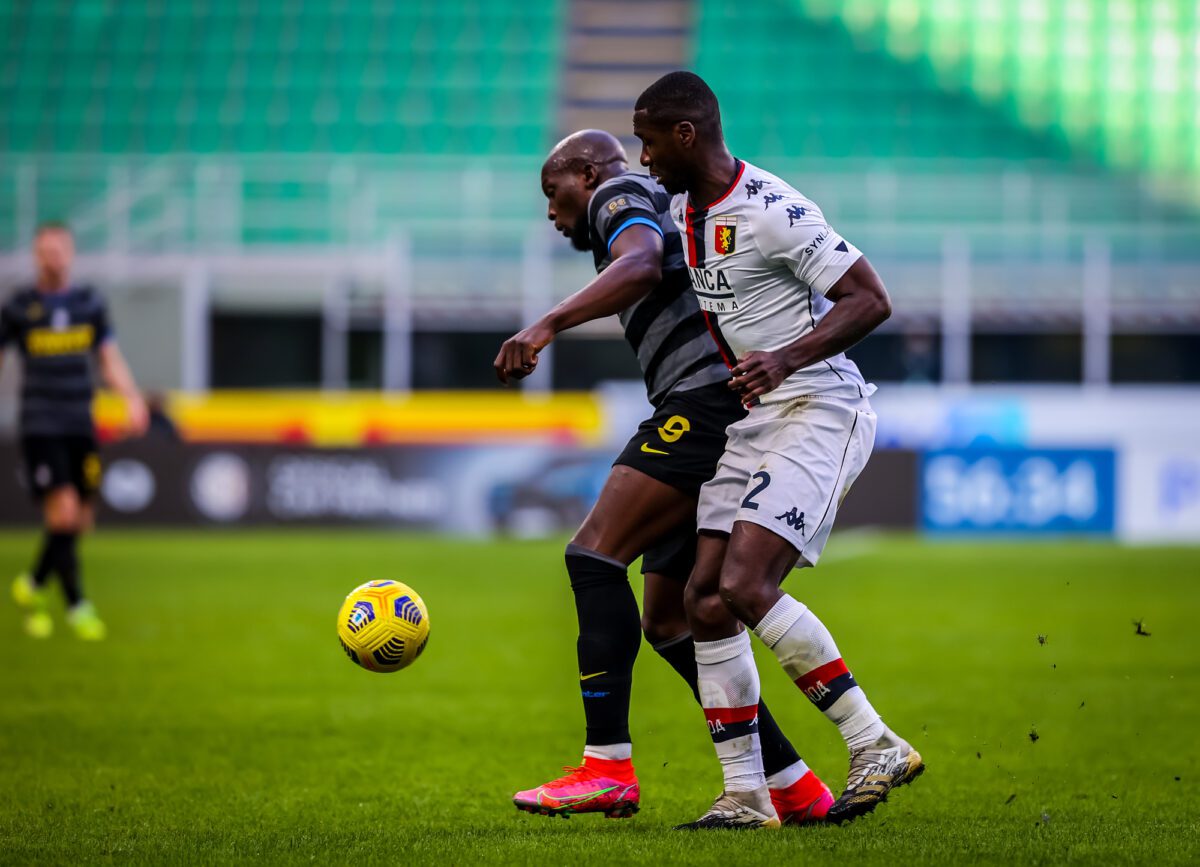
727 723
827 683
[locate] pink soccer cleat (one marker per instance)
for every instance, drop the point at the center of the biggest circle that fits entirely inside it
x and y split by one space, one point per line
597 786
804 802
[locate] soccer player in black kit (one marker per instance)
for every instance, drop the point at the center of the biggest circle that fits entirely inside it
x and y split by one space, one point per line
58 327
648 505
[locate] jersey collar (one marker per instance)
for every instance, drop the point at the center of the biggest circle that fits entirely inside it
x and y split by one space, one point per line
739 168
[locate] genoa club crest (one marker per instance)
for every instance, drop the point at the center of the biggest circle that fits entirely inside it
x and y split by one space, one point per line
724 235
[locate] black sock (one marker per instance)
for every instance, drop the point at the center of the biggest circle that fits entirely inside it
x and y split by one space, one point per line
46 561
67 566
680 654
778 752
610 633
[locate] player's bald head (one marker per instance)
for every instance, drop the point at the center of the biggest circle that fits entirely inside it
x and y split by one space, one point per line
587 147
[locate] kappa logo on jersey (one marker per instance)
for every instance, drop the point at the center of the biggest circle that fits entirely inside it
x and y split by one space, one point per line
795 212
724 234
616 204
60 319
770 199
754 187
793 519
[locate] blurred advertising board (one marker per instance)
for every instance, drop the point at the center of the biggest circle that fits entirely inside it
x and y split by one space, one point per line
521 489
1161 499
1017 490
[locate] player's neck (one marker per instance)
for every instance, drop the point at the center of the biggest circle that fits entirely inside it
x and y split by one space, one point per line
50 286
713 179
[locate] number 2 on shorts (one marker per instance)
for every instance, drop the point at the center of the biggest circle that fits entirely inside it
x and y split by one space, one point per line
764 479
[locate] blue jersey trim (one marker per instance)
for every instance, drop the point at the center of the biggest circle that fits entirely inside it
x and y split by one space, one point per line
633 221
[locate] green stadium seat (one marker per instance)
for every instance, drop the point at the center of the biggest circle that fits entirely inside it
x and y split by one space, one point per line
411 64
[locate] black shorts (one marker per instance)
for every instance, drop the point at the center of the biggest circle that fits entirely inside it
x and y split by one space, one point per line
680 445
674 556
54 462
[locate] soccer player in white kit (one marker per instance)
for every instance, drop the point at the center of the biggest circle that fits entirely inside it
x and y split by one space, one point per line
785 296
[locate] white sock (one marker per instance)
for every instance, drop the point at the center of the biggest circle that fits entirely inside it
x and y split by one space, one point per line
788 776
729 692
810 657
612 752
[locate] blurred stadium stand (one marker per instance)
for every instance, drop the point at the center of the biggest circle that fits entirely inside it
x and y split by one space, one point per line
363 175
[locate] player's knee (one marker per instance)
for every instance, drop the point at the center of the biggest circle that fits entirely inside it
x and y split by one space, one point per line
593 538
705 609
660 629
742 593
62 513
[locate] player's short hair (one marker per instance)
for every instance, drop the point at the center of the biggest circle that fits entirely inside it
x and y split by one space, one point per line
52 226
679 96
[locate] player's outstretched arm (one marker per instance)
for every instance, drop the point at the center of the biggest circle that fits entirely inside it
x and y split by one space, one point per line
635 270
117 376
861 305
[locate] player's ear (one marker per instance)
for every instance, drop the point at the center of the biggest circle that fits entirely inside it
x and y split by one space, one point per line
685 132
591 176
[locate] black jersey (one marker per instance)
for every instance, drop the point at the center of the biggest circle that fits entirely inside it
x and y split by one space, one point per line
56 333
666 328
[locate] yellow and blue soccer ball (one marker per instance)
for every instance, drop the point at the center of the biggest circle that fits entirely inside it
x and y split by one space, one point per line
383 625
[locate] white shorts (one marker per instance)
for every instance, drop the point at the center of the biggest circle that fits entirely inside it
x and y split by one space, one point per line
787 467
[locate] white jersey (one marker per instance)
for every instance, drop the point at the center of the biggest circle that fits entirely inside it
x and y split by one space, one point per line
761 259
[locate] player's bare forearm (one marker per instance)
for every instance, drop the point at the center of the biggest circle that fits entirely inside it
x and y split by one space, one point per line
117 376
635 270
626 281
860 305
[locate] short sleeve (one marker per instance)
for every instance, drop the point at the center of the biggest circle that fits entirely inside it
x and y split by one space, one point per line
102 326
796 233
614 209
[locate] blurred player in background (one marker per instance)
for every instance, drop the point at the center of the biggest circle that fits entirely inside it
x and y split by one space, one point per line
648 504
790 295
58 327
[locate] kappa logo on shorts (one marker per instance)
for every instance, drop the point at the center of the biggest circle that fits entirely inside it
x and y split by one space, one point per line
793 519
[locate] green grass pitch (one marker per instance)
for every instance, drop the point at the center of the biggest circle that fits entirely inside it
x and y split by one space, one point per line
221 721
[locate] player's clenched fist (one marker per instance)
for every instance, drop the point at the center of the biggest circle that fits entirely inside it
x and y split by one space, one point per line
518 355
759 372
